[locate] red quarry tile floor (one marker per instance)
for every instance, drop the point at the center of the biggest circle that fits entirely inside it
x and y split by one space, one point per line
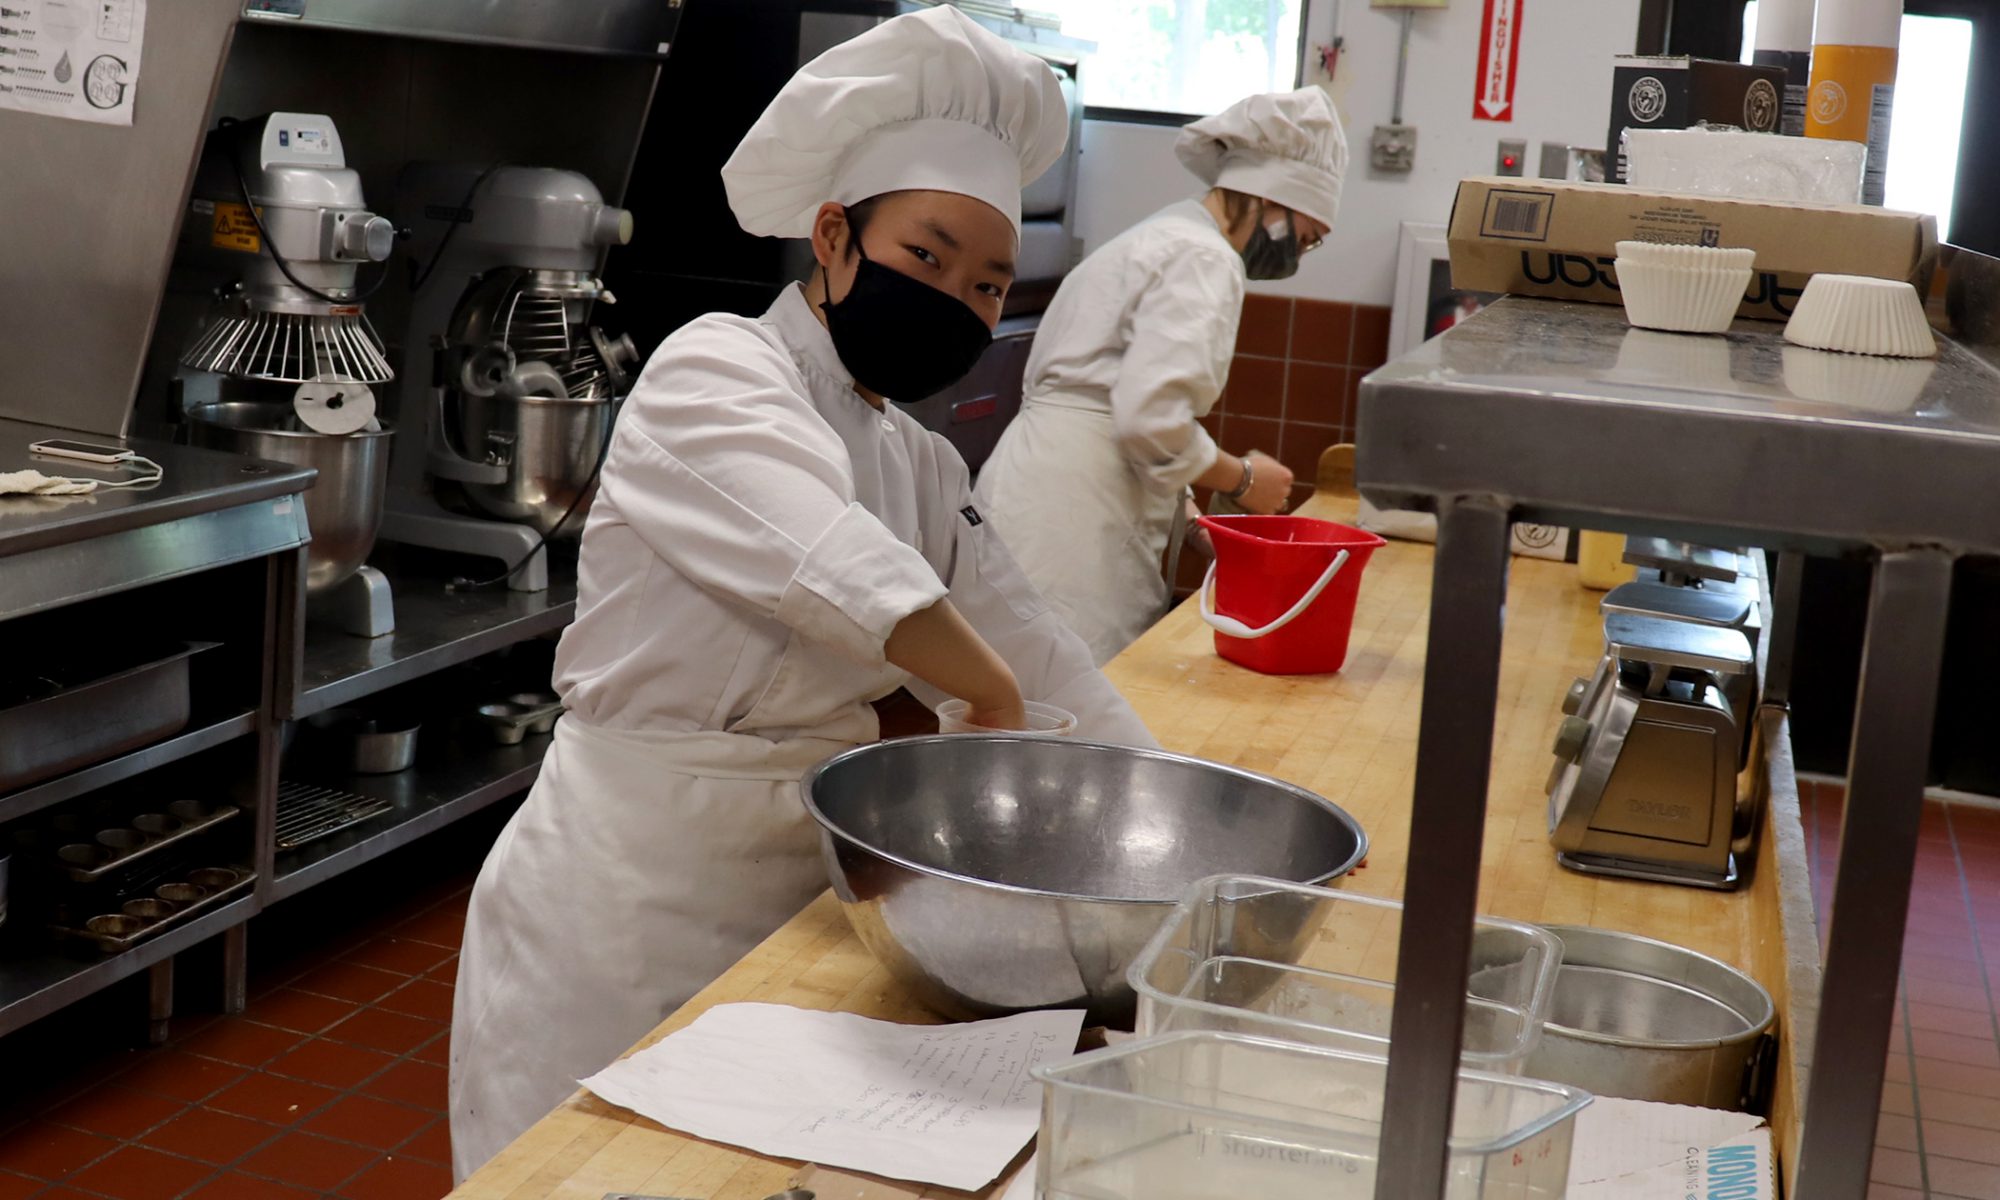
1940 1130
331 1086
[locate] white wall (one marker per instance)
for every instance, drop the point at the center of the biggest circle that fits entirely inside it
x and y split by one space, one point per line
1563 95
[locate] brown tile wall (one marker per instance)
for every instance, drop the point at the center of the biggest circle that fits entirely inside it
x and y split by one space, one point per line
1298 366
1292 386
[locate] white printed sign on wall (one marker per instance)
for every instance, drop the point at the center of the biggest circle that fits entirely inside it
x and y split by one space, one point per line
76 59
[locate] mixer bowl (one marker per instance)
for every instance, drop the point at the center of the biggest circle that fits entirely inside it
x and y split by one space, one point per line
550 448
994 874
343 506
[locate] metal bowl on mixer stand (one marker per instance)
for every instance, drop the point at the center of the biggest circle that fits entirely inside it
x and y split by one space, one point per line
549 446
999 873
535 395
343 506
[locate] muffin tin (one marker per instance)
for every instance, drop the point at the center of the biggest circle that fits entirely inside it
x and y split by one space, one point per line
171 904
89 855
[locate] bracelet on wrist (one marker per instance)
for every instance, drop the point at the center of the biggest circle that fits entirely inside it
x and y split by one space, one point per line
1249 477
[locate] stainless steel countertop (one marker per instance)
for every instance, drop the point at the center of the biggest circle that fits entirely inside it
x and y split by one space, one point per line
196 482
1577 419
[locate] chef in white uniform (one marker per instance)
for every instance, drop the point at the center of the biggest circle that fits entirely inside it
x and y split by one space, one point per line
1085 483
773 547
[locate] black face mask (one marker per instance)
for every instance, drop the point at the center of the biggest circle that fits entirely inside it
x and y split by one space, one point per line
1267 257
900 337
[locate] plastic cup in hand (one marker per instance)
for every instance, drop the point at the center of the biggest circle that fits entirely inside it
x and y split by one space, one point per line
1044 719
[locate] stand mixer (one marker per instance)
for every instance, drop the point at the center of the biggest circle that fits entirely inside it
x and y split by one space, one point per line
279 224
508 392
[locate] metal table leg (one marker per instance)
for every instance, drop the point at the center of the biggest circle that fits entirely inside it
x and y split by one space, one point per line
159 1000
1447 819
1781 640
235 968
1901 659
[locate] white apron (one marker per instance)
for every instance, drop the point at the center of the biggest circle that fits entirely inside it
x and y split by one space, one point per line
1085 483
627 896
1088 529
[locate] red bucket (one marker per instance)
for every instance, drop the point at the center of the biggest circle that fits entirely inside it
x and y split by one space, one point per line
1280 593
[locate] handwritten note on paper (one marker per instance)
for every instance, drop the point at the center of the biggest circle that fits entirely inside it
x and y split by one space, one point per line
943 1104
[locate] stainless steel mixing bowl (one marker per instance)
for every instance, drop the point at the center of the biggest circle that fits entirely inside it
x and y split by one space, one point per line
343 506
1645 1020
549 446
996 874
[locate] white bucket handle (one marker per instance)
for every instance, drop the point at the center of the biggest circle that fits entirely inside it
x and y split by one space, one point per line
1237 629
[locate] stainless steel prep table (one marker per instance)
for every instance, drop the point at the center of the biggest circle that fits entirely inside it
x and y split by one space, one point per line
1556 413
208 510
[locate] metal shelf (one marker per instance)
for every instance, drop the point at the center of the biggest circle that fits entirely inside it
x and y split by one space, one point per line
37 983
435 629
201 734
427 797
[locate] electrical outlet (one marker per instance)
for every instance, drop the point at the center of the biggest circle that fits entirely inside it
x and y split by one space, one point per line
1394 148
1512 157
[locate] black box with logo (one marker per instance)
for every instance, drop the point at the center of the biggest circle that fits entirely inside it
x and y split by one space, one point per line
1680 93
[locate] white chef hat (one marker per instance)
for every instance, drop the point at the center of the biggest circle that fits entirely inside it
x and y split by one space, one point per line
1286 147
929 100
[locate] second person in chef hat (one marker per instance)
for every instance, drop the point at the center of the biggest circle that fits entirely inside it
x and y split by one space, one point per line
775 545
1086 483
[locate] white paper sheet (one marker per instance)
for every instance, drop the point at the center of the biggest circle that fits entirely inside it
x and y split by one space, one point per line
943 1104
76 59
1634 1150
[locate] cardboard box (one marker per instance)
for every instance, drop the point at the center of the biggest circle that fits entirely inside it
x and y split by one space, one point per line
1546 237
1680 93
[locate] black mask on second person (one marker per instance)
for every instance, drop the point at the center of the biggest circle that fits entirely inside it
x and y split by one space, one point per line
900 337
1268 257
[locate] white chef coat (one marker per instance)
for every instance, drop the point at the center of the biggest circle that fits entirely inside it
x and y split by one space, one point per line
1084 484
759 532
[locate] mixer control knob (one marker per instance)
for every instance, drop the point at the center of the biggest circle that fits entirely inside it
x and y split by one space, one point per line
613 227
1570 738
1573 702
369 238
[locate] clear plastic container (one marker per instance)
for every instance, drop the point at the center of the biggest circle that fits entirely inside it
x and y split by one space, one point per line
1197 1116
1318 967
1044 719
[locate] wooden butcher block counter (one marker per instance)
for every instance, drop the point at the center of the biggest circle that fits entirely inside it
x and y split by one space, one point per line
1352 738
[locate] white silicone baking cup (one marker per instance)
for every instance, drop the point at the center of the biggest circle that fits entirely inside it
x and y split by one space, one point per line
1657 254
1683 289
1859 315
1864 383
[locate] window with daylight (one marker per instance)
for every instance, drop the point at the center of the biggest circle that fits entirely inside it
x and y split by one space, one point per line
1924 127
1181 56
